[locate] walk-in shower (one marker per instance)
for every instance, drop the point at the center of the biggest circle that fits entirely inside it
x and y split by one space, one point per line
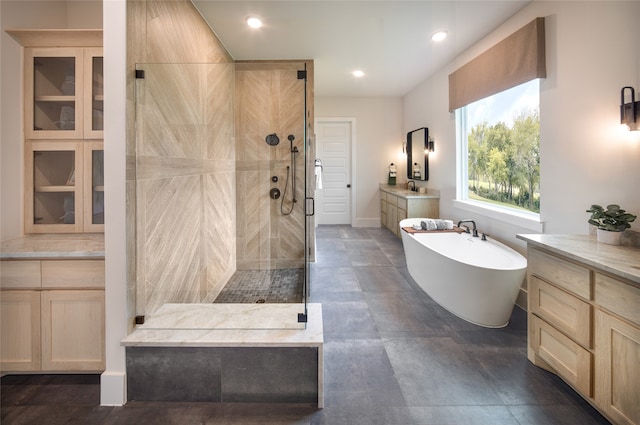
206 219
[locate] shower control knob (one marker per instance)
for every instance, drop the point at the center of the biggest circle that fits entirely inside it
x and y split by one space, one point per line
274 193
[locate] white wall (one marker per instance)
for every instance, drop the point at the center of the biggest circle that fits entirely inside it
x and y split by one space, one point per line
592 52
17 15
378 142
113 388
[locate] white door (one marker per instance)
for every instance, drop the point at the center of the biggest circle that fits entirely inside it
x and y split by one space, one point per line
333 143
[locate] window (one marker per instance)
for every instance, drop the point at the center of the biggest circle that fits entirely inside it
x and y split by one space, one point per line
499 161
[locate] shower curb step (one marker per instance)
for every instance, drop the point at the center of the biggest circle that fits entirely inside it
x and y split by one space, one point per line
227 352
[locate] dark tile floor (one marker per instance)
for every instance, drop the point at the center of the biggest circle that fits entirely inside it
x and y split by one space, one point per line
392 357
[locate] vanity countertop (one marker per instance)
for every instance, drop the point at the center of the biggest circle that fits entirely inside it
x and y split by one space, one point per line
403 192
623 261
86 245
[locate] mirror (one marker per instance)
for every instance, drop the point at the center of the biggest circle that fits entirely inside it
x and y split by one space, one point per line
417 157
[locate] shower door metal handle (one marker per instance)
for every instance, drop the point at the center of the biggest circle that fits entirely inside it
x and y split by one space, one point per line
313 206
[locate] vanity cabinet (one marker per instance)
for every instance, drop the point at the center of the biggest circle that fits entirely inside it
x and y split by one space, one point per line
52 315
584 325
396 207
617 331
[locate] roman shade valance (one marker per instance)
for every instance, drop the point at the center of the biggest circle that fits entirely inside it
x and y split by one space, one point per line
513 61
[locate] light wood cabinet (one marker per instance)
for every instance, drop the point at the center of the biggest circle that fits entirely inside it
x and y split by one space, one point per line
618 368
63 93
20 339
52 315
584 325
72 330
63 130
64 187
395 208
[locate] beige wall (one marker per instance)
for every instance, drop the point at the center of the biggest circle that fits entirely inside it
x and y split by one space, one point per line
378 142
16 15
181 173
585 157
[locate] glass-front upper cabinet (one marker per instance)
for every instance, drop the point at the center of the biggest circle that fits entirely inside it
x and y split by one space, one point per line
63 93
93 94
53 187
94 187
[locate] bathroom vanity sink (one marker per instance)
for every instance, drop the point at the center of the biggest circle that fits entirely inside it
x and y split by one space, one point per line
398 203
584 319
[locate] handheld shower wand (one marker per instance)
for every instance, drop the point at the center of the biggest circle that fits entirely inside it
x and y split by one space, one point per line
292 168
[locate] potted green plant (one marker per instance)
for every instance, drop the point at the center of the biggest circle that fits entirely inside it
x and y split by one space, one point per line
610 222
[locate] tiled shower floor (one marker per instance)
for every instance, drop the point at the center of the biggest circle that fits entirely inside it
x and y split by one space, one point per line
263 286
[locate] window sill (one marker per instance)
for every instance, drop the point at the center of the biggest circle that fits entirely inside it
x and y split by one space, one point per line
529 221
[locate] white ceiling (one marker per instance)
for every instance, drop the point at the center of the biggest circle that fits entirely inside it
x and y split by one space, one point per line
390 40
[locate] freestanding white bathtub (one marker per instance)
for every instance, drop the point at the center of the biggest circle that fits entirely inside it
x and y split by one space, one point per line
476 280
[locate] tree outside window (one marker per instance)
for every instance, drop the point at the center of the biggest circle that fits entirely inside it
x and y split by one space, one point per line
502 140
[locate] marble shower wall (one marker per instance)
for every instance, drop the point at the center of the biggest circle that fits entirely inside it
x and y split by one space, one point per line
181 179
269 99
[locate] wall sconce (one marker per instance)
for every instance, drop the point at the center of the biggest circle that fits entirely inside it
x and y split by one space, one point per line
629 111
431 145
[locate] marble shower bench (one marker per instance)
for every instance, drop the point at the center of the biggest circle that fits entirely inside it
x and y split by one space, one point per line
227 353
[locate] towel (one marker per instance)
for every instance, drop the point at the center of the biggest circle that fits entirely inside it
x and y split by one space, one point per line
318 173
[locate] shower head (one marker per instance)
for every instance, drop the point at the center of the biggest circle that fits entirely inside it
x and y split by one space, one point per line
272 139
291 138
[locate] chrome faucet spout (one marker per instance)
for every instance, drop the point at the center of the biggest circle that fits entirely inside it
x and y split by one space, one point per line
413 184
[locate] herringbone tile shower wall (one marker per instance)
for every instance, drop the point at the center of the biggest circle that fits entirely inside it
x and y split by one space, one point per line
181 158
269 99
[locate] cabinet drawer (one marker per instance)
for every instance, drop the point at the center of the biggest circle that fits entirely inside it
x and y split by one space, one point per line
618 297
73 274
392 200
383 196
567 275
564 311
568 359
402 203
20 274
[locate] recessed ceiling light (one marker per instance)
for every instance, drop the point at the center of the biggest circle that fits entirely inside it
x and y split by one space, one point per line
439 36
254 22
358 73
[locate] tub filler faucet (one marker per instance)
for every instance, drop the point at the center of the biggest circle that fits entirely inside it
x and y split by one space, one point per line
475 231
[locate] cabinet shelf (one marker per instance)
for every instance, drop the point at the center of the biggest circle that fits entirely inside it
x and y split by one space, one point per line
55 188
55 98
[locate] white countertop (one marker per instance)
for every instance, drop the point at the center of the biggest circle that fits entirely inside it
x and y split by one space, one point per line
401 191
67 245
623 260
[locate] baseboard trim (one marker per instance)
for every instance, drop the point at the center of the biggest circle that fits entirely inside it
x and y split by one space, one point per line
113 388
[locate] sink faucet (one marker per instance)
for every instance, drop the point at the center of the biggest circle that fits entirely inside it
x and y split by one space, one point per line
411 182
475 231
